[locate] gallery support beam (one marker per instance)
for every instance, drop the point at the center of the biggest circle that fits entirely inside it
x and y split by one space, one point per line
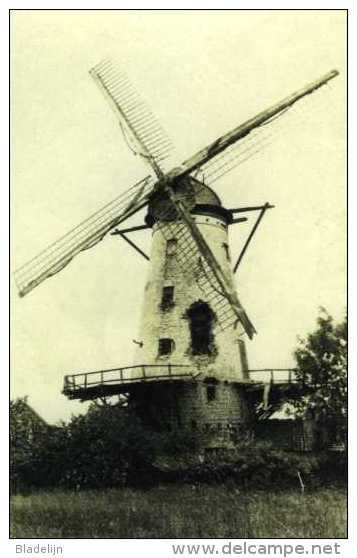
262 209
123 232
239 220
130 229
133 245
251 208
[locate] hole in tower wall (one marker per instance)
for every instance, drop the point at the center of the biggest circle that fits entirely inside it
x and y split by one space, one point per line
166 346
201 321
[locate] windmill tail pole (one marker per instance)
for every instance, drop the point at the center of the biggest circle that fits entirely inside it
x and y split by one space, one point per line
244 129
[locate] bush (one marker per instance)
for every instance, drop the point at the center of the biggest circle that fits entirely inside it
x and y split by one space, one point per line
106 447
256 465
332 468
110 447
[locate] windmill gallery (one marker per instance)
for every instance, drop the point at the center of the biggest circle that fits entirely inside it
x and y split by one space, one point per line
191 368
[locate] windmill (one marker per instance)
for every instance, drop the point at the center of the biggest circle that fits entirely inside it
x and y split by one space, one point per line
191 368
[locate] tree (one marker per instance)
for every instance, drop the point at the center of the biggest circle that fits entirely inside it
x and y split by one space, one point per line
322 370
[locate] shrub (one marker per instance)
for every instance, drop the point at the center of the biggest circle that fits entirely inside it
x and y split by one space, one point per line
254 464
110 446
332 467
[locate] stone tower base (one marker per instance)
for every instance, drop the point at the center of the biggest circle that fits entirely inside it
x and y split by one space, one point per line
216 411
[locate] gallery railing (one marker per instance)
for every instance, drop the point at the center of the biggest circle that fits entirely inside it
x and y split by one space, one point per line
274 375
150 373
126 375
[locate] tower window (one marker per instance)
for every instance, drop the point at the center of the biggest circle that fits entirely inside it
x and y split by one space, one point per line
211 393
201 323
166 346
167 299
171 246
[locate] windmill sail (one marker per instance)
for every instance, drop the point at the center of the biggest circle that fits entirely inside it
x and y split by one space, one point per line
84 236
216 148
261 138
150 140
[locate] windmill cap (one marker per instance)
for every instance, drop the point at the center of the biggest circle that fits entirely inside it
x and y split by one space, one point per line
204 194
198 197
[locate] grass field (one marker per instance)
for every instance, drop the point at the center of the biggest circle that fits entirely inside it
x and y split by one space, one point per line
179 512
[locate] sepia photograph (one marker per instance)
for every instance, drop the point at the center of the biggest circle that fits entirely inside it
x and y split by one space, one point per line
178 275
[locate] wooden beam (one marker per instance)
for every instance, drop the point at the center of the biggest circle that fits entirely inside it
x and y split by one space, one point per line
251 208
239 220
247 242
131 229
134 246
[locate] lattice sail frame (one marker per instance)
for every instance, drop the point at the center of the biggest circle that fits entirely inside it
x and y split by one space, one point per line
88 233
148 136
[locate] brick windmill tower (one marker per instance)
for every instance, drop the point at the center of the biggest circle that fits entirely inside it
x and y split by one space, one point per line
188 326
190 367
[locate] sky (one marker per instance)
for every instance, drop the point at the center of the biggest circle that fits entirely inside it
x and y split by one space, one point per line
202 73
